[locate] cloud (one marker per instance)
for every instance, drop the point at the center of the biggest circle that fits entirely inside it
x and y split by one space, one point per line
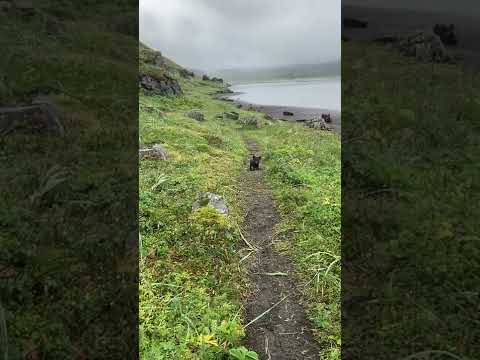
211 34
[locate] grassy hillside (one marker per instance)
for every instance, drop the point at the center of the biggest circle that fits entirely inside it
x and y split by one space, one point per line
63 225
192 281
410 220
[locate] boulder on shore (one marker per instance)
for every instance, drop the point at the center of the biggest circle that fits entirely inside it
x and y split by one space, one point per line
424 46
327 118
317 123
288 113
212 200
446 33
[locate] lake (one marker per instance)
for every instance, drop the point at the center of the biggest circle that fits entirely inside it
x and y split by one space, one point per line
322 93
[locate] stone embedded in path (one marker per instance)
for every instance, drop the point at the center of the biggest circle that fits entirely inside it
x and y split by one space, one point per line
196 115
156 152
42 115
212 200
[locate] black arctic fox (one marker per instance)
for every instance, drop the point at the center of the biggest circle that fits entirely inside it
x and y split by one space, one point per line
255 163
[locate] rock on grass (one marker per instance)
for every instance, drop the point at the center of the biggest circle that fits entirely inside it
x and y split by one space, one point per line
196 115
211 200
156 152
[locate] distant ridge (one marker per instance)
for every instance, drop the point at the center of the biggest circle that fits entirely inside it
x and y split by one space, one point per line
298 71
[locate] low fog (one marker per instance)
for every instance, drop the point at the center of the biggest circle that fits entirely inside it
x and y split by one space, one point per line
219 34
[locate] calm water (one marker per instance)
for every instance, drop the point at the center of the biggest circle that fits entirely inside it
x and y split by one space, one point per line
309 93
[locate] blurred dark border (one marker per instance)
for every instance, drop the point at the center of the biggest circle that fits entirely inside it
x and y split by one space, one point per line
410 195
69 179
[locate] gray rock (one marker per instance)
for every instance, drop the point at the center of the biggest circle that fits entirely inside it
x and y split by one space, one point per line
317 123
327 118
166 86
155 58
24 7
150 110
232 115
205 78
447 33
186 73
196 115
42 115
156 152
425 46
251 120
5 6
211 200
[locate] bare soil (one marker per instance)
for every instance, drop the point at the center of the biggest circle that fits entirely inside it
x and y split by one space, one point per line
284 332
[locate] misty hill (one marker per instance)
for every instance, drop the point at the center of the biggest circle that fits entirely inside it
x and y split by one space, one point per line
300 71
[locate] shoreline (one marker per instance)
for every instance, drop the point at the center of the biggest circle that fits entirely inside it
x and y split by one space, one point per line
300 114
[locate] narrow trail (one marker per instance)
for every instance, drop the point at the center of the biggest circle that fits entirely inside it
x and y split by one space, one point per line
283 333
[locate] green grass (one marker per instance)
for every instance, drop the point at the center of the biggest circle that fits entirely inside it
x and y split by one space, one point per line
191 282
410 219
62 216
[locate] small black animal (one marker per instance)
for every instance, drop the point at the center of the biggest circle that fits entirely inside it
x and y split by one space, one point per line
255 163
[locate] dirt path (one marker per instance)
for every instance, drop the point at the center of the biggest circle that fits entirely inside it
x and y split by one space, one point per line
284 332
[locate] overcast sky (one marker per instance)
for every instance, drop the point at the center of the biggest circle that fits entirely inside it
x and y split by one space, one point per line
218 34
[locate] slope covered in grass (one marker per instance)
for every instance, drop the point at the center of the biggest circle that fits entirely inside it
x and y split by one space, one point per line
190 283
63 225
411 206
